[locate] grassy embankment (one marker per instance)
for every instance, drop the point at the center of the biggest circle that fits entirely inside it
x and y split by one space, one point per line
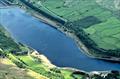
8 70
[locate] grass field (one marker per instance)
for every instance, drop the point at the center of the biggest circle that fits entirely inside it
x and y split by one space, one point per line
107 34
36 65
8 70
39 67
33 63
68 74
111 4
74 10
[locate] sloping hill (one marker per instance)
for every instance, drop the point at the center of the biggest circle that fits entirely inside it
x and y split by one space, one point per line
77 9
8 70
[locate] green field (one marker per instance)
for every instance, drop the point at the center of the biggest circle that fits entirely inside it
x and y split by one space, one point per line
106 34
38 66
8 70
74 10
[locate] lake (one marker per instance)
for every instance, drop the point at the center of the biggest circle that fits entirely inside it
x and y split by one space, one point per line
60 49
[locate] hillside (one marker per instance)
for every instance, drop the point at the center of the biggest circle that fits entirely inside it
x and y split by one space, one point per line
74 10
8 70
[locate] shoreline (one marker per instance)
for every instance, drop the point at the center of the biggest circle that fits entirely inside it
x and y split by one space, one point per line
59 28
38 54
79 43
48 63
56 25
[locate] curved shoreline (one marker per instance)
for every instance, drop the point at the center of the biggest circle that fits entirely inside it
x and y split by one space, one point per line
48 63
60 27
72 35
79 43
81 46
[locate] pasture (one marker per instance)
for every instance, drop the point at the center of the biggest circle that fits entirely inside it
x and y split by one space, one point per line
106 35
74 10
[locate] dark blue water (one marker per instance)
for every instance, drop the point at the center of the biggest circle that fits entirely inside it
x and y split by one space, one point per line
59 49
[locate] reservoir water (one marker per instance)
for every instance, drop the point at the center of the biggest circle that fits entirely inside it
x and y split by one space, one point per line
60 49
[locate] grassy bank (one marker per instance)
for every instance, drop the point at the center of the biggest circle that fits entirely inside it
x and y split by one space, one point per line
8 70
